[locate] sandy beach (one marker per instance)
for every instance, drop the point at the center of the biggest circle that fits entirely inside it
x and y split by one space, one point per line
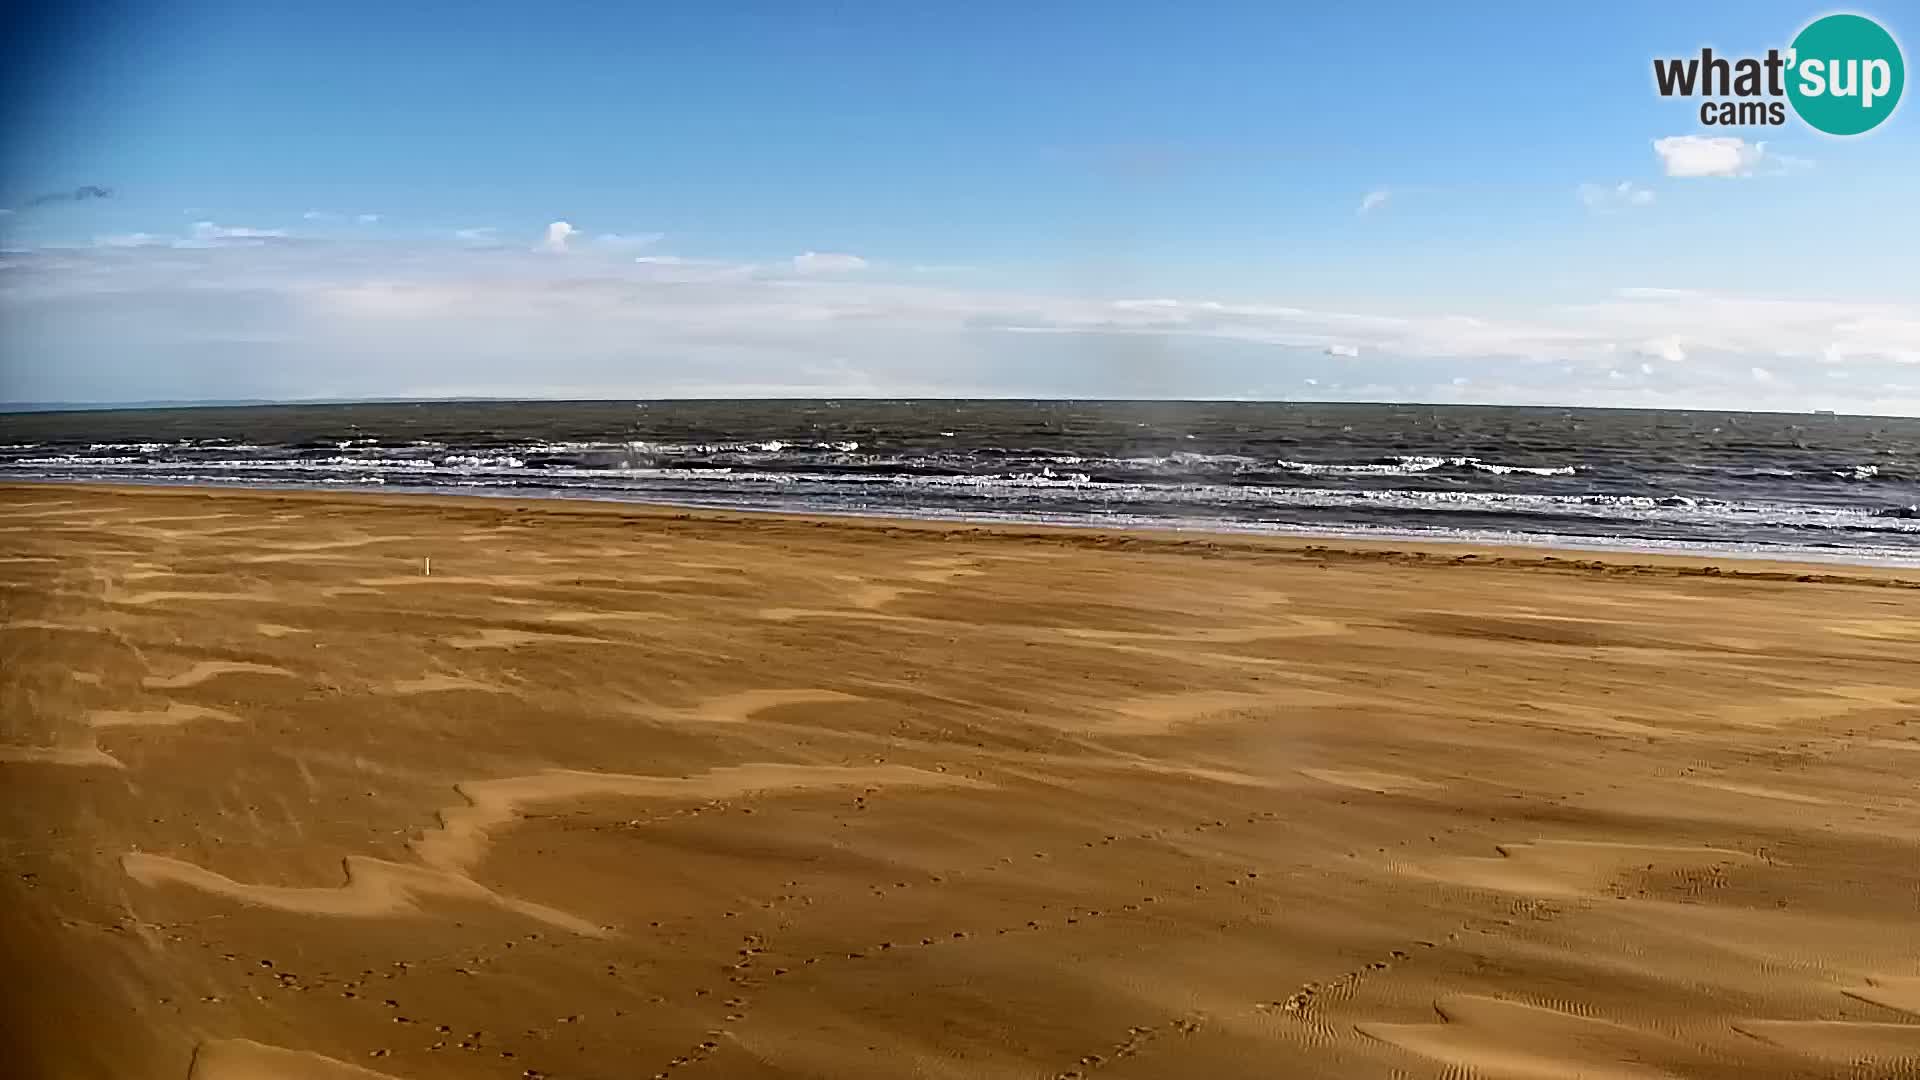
311 786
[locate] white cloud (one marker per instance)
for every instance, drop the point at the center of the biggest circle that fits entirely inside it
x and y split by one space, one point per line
131 240
628 240
1614 196
1668 349
1761 375
207 231
1708 155
1374 200
827 262
361 319
1311 382
485 234
678 268
319 215
367 219
557 236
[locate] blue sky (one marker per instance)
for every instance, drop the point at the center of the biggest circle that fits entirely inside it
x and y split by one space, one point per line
1368 202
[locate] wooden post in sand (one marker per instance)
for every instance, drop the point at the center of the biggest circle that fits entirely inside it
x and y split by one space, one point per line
426 566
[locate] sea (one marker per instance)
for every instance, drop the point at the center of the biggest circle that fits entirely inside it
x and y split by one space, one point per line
1840 488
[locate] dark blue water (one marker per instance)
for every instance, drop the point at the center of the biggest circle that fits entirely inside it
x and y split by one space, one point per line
1743 483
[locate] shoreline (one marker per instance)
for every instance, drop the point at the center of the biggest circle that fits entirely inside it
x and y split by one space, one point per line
1329 545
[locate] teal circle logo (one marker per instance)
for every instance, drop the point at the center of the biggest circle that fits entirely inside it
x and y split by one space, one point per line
1846 74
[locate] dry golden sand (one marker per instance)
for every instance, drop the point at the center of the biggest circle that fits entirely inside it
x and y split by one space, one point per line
629 793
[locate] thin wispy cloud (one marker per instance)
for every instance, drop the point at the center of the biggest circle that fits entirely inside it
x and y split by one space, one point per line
827 262
1623 195
1374 200
208 231
83 193
132 240
628 240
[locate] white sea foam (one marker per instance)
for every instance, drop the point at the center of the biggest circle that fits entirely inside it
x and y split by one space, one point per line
1407 465
484 461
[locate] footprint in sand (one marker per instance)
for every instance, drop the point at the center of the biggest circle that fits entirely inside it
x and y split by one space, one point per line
1567 867
244 1059
210 669
1508 1040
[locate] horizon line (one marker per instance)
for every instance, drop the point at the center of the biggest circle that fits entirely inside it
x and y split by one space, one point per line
18 408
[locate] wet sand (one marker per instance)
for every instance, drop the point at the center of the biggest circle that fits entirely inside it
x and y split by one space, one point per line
620 792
